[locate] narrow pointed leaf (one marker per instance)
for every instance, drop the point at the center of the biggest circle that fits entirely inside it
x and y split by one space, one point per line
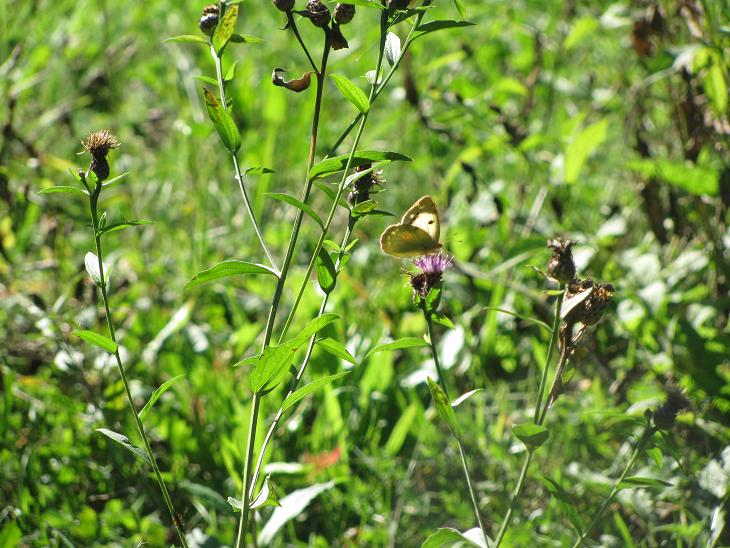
266 496
122 225
461 399
228 268
433 26
223 122
351 92
310 388
443 407
336 348
361 157
156 396
521 317
446 536
225 28
326 274
246 39
638 481
115 180
298 204
290 507
231 72
124 442
62 189
194 38
406 342
101 341
531 434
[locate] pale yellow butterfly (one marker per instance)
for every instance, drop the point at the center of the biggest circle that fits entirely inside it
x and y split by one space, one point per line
417 233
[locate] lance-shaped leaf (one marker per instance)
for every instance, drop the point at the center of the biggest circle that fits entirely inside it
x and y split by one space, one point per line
266 497
156 396
223 122
443 406
461 399
62 189
122 225
307 389
639 481
326 273
297 84
531 434
405 342
446 536
274 363
124 442
228 268
351 92
433 26
296 203
336 348
194 38
336 164
101 341
225 28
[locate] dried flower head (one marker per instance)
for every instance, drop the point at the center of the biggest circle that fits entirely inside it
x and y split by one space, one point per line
364 185
586 301
432 269
284 5
398 4
344 13
98 144
209 19
337 39
561 266
318 13
666 414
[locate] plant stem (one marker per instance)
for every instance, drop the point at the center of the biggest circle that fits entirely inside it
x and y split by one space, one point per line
293 26
442 382
93 202
648 433
256 401
237 167
302 368
539 418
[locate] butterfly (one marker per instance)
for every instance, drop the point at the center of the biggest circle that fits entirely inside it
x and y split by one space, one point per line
417 233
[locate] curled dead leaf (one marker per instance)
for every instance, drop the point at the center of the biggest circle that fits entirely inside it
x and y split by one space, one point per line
297 84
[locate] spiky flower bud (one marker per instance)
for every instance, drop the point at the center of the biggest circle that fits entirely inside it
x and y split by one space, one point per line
432 269
98 144
284 5
561 266
364 185
666 414
209 19
344 13
318 13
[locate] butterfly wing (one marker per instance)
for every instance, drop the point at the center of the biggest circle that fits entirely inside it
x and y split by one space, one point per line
407 241
424 215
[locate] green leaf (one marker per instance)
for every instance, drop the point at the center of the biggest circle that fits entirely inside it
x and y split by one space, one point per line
121 226
246 39
273 364
693 178
101 341
186 38
521 317
307 389
115 180
235 504
461 399
291 200
716 88
361 157
228 268
206 79
258 170
266 496
566 503
336 348
446 536
231 72
351 92
433 26
400 430
638 481
224 30
442 319
124 442
326 273
583 144
61 189
406 342
443 407
363 208
156 396
434 298
223 122
531 434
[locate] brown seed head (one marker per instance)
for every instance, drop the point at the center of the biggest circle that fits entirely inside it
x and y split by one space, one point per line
398 4
364 185
666 414
589 308
284 5
318 13
99 143
344 13
209 19
561 266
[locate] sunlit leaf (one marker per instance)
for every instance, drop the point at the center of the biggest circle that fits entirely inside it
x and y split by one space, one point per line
361 157
291 200
223 122
228 268
224 30
443 407
308 389
531 434
336 348
124 442
351 92
100 341
156 395
406 342
326 273
61 189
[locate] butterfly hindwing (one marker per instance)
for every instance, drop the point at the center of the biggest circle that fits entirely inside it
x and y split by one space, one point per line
417 234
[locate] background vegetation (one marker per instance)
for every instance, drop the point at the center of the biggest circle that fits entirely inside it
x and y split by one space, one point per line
605 121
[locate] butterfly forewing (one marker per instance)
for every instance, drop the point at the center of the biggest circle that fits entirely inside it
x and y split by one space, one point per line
417 234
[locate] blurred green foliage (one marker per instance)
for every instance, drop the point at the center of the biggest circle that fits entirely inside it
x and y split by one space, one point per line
604 121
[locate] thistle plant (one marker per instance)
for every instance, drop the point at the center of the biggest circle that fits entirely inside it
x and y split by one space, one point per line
94 180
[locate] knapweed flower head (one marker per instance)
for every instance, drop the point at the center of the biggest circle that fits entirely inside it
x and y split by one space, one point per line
98 144
362 187
209 19
432 268
666 414
561 266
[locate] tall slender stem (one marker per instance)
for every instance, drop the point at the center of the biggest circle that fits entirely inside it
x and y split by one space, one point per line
93 202
256 401
513 500
237 167
648 433
551 348
442 382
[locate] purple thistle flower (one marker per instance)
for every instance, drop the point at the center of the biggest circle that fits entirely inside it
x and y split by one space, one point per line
432 268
